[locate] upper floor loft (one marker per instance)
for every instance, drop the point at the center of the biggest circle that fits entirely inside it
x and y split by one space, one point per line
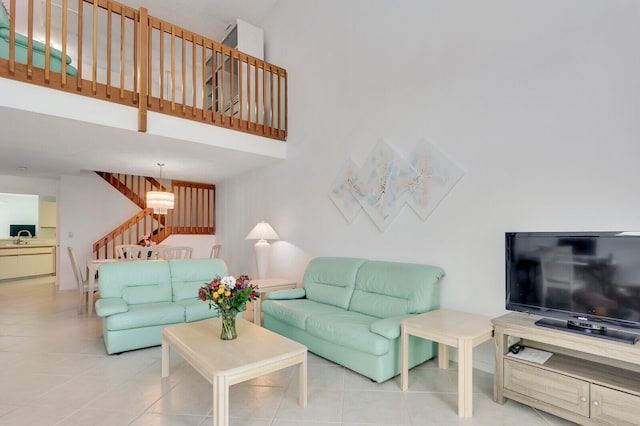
120 63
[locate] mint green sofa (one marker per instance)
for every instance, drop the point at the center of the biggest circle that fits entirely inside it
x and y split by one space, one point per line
22 49
139 298
349 311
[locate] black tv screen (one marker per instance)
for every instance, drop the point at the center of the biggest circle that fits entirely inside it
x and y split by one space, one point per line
589 279
14 229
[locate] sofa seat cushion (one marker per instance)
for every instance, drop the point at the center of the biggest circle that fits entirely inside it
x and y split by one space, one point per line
348 329
146 315
196 310
295 312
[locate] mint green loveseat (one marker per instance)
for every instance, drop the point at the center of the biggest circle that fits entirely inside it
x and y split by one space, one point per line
349 311
139 298
22 49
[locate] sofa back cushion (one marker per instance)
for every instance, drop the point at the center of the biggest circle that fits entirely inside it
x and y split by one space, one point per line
389 289
188 275
331 280
143 281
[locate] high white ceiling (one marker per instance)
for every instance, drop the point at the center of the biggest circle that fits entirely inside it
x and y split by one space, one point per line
49 146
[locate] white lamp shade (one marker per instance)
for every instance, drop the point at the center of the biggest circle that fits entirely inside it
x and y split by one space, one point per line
262 231
159 201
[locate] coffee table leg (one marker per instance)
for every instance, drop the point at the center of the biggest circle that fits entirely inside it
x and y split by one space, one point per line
257 310
165 358
443 356
302 382
465 378
220 401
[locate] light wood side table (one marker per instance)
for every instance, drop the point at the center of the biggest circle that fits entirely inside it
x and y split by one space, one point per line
449 328
265 286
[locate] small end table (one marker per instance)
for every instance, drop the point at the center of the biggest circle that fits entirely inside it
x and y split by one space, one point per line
449 328
268 285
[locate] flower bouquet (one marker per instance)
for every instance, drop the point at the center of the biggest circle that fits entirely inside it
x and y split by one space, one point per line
229 296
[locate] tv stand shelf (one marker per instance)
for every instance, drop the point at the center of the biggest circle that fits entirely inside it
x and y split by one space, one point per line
588 380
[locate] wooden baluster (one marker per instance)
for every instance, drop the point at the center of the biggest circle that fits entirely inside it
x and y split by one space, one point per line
194 77
271 98
248 93
184 207
136 18
30 41
286 105
264 97
256 90
47 46
204 81
109 34
214 82
197 207
149 62
63 70
161 65
232 81
183 54
12 37
80 36
94 71
122 51
240 103
144 49
279 101
223 63
173 68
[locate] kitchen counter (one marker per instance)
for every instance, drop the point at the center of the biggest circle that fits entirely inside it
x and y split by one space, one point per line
37 257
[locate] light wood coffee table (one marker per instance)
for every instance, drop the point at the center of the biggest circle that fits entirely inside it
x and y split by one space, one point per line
449 328
256 351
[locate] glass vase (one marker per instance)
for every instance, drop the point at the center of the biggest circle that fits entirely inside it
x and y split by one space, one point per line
228 331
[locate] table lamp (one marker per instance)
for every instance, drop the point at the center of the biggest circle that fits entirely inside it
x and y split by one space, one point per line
262 232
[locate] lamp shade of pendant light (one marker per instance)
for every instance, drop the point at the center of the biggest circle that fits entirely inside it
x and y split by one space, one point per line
160 201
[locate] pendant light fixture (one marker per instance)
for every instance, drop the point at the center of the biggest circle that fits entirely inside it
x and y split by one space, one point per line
160 201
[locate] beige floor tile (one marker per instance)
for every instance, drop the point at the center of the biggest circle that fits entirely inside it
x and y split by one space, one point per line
54 370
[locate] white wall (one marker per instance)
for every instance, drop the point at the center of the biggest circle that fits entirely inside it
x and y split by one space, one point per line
88 208
29 185
17 209
201 244
536 100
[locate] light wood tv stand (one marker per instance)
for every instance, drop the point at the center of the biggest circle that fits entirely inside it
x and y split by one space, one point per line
588 380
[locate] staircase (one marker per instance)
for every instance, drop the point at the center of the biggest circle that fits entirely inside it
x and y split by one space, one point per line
193 212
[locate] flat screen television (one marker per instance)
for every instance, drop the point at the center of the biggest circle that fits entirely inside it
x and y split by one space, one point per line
586 282
14 229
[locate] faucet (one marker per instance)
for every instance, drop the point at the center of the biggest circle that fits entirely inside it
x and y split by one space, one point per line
20 235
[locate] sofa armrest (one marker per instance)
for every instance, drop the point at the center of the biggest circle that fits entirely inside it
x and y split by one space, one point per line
296 293
388 327
111 306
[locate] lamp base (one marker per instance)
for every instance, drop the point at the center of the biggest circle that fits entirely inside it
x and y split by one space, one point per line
261 248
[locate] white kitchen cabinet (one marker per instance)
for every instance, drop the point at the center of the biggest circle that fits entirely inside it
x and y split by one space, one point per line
25 261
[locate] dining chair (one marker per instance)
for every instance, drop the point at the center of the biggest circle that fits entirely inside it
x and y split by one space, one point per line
128 251
81 283
182 252
149 253
215 251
